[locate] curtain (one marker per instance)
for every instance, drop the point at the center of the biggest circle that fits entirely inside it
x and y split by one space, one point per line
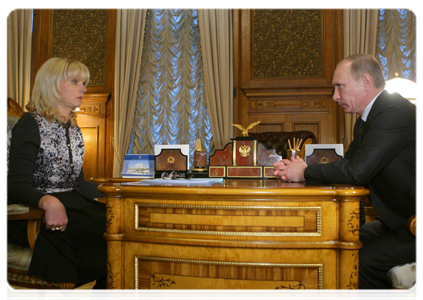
130 30
396 47
360 36
216 48
171 105
19 45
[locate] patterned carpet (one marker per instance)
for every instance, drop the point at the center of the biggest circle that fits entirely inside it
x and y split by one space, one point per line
19 293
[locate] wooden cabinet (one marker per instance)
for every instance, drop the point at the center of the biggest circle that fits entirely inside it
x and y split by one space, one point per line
91 118
283 66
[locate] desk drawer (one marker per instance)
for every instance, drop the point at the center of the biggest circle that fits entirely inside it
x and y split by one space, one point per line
153 266
310 221
221 221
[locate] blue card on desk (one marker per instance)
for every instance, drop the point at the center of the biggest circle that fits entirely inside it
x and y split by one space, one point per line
138 166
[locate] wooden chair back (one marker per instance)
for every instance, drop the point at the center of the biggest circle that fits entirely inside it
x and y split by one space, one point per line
14 109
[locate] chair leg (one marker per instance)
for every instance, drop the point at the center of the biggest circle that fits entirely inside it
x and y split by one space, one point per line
67 289
41 294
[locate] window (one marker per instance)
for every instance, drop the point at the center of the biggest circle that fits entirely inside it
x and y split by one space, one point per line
171 105
396 49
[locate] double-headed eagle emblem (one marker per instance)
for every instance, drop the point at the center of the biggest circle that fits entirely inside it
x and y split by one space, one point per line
244 150
245 130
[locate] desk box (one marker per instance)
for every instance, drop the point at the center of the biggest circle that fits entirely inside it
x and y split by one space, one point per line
323 153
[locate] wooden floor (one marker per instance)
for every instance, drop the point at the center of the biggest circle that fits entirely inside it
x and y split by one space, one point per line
19 293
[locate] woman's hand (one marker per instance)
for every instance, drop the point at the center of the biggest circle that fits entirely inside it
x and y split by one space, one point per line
55 213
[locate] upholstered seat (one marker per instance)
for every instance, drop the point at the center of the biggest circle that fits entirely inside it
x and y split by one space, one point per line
18 257
279 140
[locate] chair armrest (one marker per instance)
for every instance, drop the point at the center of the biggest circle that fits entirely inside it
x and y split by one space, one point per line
34 217
102 200
411 224
33 213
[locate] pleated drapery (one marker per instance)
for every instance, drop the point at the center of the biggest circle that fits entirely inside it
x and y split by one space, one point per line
360 36
396 47
171 105
130 28
19 46
216 46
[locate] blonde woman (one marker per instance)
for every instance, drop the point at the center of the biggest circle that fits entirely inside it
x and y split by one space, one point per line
45 171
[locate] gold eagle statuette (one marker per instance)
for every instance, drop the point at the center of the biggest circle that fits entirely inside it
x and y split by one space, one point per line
245 130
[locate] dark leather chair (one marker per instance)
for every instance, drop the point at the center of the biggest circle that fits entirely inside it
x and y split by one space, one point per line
279 140
19 258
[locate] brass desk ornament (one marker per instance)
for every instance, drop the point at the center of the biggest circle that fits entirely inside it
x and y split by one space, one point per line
244 157
293 151
200 157
245 130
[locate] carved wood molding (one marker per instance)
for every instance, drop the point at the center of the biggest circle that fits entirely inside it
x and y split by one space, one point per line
97 97
259 92
25 279
94 104
310 103
285 104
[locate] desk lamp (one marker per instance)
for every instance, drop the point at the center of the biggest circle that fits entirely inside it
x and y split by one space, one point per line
405 87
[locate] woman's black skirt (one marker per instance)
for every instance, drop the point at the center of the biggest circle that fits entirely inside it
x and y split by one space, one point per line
76 255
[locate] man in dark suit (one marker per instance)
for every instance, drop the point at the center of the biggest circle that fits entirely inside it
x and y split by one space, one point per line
381 157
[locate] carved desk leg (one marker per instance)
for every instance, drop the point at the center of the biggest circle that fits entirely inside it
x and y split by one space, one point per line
349 226
114 239
67 289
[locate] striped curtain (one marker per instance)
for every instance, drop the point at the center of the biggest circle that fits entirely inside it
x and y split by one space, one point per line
171 106
396 46
19 46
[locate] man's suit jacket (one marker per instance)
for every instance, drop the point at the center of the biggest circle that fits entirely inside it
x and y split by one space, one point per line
384 162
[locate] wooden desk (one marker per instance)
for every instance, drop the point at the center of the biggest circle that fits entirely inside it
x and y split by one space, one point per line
238 234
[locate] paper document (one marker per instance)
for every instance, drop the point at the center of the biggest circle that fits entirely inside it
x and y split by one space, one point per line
192 181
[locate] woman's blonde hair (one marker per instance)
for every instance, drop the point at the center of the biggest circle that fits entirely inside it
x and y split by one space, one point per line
46 91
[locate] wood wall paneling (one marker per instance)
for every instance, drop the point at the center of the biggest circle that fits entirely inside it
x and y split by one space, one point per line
41 40
283 66
92 121
88 36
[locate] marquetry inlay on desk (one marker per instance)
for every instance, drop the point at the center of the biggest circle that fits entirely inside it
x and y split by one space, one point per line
237 234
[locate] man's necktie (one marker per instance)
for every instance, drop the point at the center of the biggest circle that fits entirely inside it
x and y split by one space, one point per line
360 127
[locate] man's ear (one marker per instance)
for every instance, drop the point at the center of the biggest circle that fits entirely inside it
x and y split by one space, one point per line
367 81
